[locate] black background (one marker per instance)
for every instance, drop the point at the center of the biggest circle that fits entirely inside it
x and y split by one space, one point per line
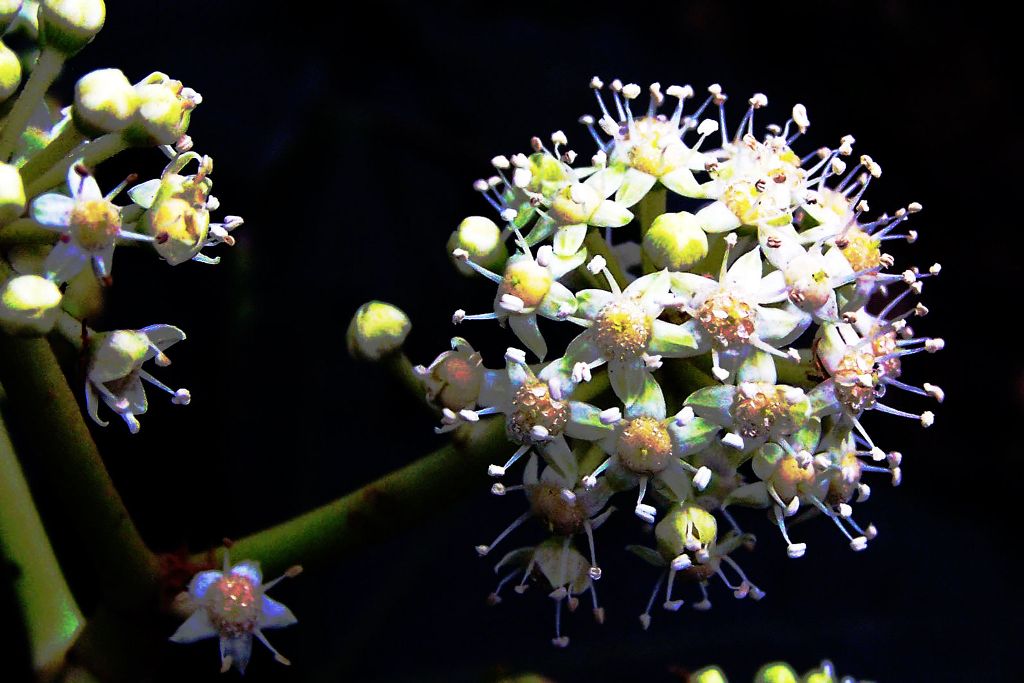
349 142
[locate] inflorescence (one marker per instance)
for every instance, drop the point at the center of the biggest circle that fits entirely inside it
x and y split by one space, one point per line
766 308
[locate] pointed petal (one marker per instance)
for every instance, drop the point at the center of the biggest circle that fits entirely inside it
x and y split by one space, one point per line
65 261
275 615
745 272
591 301
569 239
634 186
650 402
682 182
144 194
648 555
627 379
610 214
92 405
585 422
695 435
52 210
766 458
716 217
557 301
541 230
692 286
82 187
238 648
676 480
202 581
163 336
772 288
823 399
607 180
580 350
196 627
518 374
714 403
649 288
556 453
525 327
250 569
135 393
787 244
750 495
756 366
560 265
674 341
837 267
775 324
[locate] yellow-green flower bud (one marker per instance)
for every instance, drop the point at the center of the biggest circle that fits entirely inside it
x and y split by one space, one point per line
10 70
12 193
675 241
104 102
711 674
29 305
776 672
68 25
685 527
481 239
165 108
8 13
376 330
178 217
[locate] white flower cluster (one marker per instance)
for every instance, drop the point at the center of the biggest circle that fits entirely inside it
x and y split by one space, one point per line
762 304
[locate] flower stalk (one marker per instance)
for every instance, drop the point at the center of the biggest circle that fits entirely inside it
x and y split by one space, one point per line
43 75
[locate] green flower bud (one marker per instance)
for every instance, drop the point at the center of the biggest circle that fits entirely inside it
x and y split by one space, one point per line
12 193
675 241
685 523
29 305
776 672
481 239
10 70
8 13
104 102
165 108
711 674
69 25
376 330
176 214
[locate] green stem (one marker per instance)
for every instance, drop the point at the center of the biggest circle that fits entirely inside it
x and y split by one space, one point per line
51 615
25 231
649 208
58 148
394 503
596 246
91 153
399 367
45 72
803 374
49 420
688 377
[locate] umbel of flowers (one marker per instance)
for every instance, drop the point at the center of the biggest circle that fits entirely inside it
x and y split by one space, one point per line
739 295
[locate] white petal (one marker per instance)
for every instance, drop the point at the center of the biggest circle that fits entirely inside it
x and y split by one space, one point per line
275 615
610 214
163 336
607 180
52 210
745 272
591 301
196 627
716 217
772 288
202 581
250 569
64 262
634 186
627 379
144 194
92 405
525 327
569 239
239 649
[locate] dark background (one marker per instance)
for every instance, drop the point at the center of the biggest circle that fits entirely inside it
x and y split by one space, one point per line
349 143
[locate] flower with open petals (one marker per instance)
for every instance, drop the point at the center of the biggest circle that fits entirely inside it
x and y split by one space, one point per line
528 287
115 371
623 330
232 605
752 412
730 317
89 223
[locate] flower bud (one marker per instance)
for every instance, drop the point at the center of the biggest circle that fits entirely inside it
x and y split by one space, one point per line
675 241
776 672
376 330
104 102
165 107
29 305
12 193
711 674
8 13
685 523
10 70
481 239
69 25
115 355
176 214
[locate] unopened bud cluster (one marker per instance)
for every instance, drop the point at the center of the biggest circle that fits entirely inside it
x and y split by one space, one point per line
739 294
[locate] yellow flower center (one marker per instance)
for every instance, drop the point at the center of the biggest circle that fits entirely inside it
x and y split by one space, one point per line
856 381
860 249
527 280
789 477
574 204
757 408
233 605
562 517
94 224
622 330
654 147
644 446
533 406
726 319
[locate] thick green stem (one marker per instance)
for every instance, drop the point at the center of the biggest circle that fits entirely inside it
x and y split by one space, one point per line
45 72
52 617
58 148
49 424
390 505
25 231
91 154
399 367
649 208
597 246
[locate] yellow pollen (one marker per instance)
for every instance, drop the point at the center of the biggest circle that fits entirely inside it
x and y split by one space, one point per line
622 330
533 406
861 250
94 224
654 147
644 446
727 319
